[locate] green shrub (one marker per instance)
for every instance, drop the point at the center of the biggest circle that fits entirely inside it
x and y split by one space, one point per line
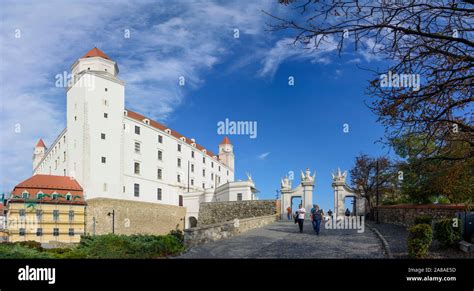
112 246
446 233
178 234
419 240
423 219
18 251
31 244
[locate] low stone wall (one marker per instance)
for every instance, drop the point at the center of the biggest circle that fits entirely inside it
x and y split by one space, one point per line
405 214
217 212
212 232
132 217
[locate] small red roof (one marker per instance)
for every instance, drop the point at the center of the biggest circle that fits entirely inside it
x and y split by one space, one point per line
95 52
49 184
225 141
40 143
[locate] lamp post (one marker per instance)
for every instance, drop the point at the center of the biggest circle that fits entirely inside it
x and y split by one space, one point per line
113 220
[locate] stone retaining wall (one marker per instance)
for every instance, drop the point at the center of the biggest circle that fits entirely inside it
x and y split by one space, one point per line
404 214
217 212
212 232
132 217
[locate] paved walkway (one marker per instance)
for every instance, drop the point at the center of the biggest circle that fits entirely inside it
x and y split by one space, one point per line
283 240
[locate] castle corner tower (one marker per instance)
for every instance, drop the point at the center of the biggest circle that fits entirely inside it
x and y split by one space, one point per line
38 153
226 153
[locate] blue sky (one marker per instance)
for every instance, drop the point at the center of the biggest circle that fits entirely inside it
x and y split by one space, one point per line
242 79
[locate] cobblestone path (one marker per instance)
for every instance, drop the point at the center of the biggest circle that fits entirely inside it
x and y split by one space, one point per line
283 240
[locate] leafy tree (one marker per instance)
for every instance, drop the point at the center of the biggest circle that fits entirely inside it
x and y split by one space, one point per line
431 39
370 173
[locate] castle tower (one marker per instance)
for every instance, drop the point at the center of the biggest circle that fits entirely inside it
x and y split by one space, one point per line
95 113
38 153
226 153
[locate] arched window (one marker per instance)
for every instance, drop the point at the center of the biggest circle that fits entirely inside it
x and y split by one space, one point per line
25 195
68 196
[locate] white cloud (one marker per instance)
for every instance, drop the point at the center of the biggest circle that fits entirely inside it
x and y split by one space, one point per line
168 40
286 49
263 156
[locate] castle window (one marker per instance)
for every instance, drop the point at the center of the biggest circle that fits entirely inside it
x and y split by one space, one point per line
64 156
160 155
158 194
203 186
39 195
192 154
25 195
105 102
179 162
136 190
39 232
203 172
136 168
123 189
137 147
203 160
159 174
125 112
212 164
137 129
22 231
168 131
56 215
179 148
179 178
192 182
106 115
56 232
105 89
147 121
103 160
102 135
160 139
192 168
71 232
39 214
55 195
22 212
64 172
227 172
75 118
71 215
212 176
68 197
239 196
104 187
219 168
88 69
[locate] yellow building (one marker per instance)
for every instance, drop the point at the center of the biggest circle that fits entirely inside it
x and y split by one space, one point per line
46 208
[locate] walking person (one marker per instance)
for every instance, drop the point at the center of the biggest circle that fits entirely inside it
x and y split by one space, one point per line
288 212
301 213
316 217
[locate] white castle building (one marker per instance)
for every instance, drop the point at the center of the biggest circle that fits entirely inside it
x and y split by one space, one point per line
117 153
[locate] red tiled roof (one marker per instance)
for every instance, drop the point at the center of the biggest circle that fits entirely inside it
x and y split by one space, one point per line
40 143
49 184
95 52
225 141
162 127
